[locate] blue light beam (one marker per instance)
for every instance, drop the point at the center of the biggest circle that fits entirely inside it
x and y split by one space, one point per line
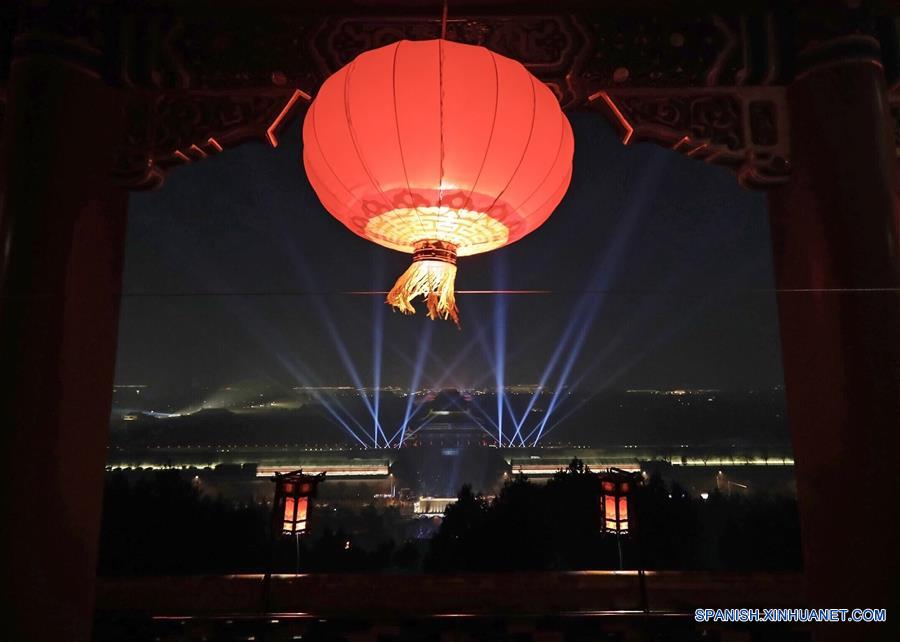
499 359
328 321
603 275
377 348
421 355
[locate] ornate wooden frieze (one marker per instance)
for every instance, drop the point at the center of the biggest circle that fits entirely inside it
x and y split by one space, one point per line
660 51
203 75
744 130
221 51
834 31
577 54
171 129
549 45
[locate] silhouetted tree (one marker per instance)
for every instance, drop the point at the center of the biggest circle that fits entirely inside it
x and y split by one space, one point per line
162 524
454 545
558 526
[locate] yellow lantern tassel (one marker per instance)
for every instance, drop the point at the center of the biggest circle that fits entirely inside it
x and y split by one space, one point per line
431 275
434 281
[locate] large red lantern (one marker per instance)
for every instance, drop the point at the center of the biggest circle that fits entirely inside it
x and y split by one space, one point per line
438 149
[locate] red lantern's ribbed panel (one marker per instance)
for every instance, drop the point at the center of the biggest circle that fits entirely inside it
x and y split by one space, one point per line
437 141
470 90
439 149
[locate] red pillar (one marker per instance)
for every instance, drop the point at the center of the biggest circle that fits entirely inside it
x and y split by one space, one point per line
835 231
62 225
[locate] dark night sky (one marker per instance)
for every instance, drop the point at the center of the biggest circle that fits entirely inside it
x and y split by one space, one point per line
677 256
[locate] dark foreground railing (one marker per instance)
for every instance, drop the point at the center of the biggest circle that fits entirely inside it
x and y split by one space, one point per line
525 607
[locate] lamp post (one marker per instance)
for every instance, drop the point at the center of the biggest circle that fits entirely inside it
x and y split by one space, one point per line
291 506
615 491
617 506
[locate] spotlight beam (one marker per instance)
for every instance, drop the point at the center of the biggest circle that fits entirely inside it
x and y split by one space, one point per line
300 373
307 380
549 368
486 348
499 357
498 364
460 357
412 416
668 332
498 394
298 376
586 310
272 341
484 414
330 326
545 376
646 308
424 347
262 331
573 355
512 415
422 425
377 350
603 274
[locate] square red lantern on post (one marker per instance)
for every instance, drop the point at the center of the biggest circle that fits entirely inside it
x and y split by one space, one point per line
616 487
293 497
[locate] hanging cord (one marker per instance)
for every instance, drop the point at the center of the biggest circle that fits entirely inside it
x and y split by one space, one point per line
441 110
444 22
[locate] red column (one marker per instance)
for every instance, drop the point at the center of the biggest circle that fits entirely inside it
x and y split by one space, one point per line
835 231
62 227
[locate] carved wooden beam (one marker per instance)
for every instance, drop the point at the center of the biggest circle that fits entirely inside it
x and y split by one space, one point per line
169 129
201 76
745 130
